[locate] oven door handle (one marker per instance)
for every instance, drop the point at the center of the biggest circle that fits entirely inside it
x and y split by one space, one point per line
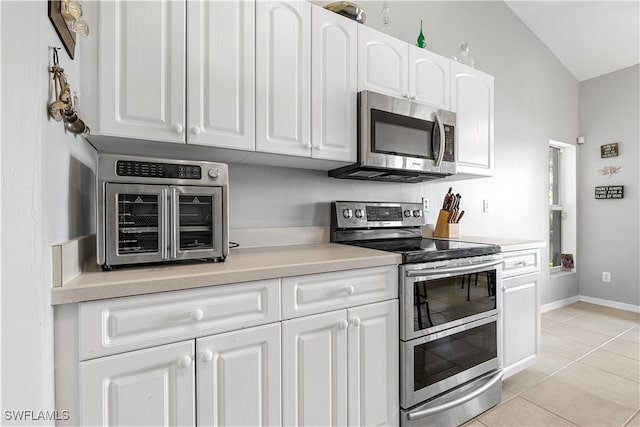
446 270
456 402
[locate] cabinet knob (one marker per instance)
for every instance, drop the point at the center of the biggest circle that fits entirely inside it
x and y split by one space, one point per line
504 289
195 130
306 144
343 324
206 356
356 321
184 361
177 128
349 290
197 314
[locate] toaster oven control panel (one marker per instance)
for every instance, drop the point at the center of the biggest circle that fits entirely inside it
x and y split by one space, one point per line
157 170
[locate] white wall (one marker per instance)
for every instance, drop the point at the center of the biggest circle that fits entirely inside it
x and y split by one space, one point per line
609 229
47 182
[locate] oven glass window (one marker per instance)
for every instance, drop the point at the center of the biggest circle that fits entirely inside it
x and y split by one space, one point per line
196 222
401 135
444 357
138 230
440 301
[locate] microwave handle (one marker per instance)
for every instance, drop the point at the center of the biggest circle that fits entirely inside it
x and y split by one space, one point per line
164 227
442 139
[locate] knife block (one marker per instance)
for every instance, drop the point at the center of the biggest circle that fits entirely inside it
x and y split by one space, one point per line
443 228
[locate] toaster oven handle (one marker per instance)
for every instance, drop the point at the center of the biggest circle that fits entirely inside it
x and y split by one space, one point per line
456 402
164 227
442 140
446 270
174 223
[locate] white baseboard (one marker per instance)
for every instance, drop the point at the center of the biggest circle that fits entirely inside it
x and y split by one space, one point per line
559 304
612 304
598 301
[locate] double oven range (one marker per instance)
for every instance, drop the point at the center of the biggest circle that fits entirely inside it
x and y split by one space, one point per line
450 336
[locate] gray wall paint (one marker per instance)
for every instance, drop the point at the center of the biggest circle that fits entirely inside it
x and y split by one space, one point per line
536 99
608 229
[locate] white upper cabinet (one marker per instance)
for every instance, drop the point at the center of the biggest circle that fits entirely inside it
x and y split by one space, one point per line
472 100
382 63
141 77
334 86
221 74
283 76
429 77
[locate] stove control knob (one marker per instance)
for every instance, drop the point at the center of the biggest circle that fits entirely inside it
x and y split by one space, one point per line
417 213
347 213
359 213
214 173
407 213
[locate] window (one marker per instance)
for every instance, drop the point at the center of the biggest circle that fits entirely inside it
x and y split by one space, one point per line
562 203
555 208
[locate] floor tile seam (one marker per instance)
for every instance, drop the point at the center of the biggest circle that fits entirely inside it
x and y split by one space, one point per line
575 341
596 332
599 347
550 411
609 373
626 423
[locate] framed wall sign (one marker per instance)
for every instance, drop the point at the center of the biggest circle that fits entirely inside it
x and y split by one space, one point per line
610 192
67 37
609 150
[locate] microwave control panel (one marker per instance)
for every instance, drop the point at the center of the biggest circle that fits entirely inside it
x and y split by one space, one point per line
157 170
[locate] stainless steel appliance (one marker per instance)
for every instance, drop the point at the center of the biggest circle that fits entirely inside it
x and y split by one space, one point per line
450 336
155 210
401 141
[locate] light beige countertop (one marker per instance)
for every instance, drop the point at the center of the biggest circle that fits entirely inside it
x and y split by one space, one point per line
242 265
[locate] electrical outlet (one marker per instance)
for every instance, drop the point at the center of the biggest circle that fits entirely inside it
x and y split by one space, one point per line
425 205
606 277
485 206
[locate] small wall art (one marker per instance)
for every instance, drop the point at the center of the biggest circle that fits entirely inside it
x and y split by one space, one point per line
609 150
610 192
67 37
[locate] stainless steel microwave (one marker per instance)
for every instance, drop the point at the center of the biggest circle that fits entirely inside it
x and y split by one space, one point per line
400 140
156 210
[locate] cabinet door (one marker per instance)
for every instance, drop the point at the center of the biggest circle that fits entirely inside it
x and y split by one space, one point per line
314 370
153 387
239 378
382 63
429 77
521 323
334 86
141 72
283 71
373 364
472 100
221 73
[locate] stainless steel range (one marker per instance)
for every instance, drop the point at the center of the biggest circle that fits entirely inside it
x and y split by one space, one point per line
450 336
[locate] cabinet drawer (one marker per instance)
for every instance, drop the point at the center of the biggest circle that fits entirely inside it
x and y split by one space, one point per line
123 324
317 293
519 263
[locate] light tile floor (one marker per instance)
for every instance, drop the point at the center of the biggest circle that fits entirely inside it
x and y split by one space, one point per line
588 373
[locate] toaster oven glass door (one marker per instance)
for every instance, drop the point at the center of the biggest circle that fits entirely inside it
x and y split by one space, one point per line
196 222
136 223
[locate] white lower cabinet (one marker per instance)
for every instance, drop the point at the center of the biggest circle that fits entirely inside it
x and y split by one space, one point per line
341 367
238 378
150 387
223 356
520 311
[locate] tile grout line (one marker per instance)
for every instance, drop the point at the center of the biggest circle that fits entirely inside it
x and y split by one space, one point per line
626 423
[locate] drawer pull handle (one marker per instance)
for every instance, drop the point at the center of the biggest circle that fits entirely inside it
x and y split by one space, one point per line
349 290
184 361
206 356
197 315
343 324
356 321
